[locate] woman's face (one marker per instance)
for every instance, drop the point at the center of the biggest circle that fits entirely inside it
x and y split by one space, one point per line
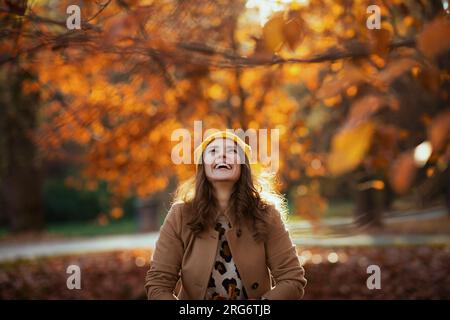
221 160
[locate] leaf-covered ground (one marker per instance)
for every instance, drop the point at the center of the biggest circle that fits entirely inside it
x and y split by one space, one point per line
406 273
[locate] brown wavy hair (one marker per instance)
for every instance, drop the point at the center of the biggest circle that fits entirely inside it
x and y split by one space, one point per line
249 202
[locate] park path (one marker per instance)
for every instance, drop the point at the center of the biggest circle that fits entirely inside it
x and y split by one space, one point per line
388 218
78 246
147 241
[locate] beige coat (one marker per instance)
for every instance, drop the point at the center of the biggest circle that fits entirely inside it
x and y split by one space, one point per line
182 263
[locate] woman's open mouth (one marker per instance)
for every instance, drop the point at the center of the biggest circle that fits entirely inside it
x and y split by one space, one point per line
222 166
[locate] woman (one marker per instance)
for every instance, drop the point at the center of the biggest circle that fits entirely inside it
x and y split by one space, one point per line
224 241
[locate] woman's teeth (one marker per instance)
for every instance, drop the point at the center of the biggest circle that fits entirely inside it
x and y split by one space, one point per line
223 166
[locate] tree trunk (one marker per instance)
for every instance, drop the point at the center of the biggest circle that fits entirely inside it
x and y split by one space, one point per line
148 218
370 203
20 173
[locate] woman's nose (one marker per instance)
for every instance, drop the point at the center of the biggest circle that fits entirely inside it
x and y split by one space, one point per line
222 154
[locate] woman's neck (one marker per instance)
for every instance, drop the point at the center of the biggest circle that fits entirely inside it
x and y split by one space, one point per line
223 191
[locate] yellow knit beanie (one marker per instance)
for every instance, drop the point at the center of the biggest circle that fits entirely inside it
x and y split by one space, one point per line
224 135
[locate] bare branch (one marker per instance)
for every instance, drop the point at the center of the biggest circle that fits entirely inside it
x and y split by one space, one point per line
102 7
331 54
199 54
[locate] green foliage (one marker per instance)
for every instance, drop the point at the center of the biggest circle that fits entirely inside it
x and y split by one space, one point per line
69 204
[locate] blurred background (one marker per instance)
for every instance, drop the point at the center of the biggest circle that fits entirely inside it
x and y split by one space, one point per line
86 117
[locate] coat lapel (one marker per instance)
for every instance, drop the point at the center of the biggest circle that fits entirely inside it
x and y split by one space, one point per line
249 257
206 245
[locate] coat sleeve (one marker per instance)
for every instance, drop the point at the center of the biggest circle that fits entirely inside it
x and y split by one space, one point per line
165 265
283 262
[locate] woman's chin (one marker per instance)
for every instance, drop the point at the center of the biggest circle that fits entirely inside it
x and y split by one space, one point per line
223 177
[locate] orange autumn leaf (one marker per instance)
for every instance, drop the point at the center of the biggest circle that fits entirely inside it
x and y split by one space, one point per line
348 77
283 28
396 68
273 33
434 39
292 32
349 147
402 173
439 130
363 108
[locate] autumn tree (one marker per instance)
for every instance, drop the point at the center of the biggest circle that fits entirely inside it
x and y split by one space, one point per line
348 100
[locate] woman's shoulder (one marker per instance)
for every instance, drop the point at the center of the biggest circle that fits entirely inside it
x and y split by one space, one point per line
178 212
177 208
271 210
275 215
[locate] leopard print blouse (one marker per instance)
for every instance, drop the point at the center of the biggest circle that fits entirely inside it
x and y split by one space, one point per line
224 282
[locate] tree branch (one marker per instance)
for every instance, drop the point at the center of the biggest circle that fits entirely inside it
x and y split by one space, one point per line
332 54
199 54
102 7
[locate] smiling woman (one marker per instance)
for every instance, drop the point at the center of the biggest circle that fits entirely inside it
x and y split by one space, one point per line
222 161
224 238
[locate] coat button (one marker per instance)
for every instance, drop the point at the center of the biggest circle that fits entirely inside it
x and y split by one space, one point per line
255 285
239 232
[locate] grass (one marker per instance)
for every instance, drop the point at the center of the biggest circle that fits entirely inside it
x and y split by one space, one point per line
3 232
92 229
339 209
336 208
